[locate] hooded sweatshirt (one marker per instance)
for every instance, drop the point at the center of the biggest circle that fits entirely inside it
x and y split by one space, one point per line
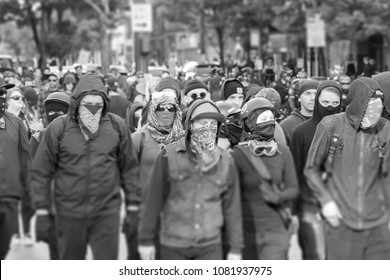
384 80
300 144
358 182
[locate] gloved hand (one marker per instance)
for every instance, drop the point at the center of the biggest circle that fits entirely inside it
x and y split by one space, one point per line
43 225
130 224
332 213
147 252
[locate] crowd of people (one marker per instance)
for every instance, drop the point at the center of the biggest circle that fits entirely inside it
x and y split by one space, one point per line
219 168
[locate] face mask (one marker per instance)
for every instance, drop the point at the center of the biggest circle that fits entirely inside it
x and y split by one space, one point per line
265 130
88 118
328 110
204 138
372 114
3 105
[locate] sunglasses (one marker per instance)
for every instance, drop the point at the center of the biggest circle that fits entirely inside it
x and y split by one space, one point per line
171 109
200 95
140 77
17 98
52 80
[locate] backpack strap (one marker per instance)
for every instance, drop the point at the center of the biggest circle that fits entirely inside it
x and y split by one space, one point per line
257 163
336 142
115 125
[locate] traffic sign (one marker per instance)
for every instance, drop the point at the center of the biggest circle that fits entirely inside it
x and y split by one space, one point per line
142 17
315 28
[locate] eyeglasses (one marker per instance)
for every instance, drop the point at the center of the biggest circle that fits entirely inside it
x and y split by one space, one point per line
52 80
171 109
200 95
17 98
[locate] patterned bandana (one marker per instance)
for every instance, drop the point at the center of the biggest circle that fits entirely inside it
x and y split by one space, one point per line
372 114
203 142
157 131
263 148
89 121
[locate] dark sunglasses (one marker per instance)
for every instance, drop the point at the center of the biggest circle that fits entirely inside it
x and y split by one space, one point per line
17 98
52 80
171 109
201 95
140 77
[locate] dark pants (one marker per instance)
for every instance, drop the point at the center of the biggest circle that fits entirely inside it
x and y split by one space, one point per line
311 236
101 232
27 213
343 243
8 224
266 245
210 252
46 232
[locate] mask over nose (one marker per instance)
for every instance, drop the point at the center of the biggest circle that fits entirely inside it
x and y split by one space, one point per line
372 114
89 116
264 126
328 110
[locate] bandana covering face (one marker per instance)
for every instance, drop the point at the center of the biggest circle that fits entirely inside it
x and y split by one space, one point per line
203 141
372 114
160 133
89 116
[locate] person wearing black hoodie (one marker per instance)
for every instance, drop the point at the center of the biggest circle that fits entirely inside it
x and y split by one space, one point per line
89 154
384 80
310 234
347 170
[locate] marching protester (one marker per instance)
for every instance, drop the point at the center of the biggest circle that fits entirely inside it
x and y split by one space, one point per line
56 105
306 96
89 154
14 165
268 184
232 90
163 126
384 80
194 187
52 86
347 170
311 234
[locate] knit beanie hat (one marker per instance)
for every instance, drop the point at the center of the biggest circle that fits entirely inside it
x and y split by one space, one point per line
69 79
307 85
253 90
205 109
194 84
31 96
169 83
272 95
112 83
231 86
57 97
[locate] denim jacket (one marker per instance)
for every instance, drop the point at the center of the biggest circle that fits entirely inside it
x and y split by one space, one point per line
193 204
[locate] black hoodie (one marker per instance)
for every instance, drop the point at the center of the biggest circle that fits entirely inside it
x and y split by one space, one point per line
359 180
384 80
300 144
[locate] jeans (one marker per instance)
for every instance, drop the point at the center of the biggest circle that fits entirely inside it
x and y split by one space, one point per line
266 245
344 243
311 236
8 224
101 232
210 252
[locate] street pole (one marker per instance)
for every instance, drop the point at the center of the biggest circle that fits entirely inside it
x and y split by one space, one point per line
308 62
316 61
